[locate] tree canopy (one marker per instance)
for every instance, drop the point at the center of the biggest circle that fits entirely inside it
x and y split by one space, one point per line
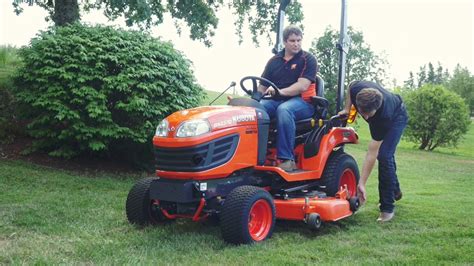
362 62
427 75
462 83
199 16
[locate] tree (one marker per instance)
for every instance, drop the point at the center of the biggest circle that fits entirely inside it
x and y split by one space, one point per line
101 91
440 78
430 76
422 76
446 76
437 117
410 83
362 62
200 16
462 83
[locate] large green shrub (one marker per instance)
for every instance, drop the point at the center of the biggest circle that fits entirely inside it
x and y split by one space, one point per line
438 117
101 90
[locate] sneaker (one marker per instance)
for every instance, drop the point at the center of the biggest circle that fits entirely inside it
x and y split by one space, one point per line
385 217
398 195
288 165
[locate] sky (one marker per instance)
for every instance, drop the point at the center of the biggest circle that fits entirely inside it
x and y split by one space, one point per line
410 33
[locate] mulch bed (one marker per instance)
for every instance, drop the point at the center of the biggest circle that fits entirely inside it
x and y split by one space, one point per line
13 151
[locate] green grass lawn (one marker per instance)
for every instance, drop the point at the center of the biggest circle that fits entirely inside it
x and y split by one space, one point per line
49 216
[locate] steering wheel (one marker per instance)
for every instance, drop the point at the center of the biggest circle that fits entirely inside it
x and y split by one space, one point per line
254 93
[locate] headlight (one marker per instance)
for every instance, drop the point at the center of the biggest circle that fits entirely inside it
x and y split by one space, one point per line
162 128
193 128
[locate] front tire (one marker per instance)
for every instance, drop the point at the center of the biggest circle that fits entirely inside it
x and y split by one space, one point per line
248 215
341 169
140 208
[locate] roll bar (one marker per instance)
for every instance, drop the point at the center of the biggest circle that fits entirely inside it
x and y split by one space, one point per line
342 46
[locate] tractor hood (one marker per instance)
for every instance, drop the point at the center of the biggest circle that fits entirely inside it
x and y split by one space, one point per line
211 141
218 117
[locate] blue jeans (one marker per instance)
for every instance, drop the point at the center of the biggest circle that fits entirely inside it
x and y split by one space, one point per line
286 113
388 180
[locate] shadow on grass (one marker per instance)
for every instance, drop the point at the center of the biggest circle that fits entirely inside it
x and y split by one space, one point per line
327 228
183 231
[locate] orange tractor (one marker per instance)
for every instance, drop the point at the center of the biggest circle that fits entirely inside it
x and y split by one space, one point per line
220 161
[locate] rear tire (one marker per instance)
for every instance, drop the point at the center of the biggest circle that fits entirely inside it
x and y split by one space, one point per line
341 169
248 215
140 208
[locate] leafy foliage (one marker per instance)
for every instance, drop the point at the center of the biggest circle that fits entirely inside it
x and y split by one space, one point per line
427 76
101 90
9 62
362 63
261 17
462 83
199 16
410 82
8 56
6 113
438 117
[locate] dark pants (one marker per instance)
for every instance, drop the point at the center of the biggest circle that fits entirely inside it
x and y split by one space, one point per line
388 181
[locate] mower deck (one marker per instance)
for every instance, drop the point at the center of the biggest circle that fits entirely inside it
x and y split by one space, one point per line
330 209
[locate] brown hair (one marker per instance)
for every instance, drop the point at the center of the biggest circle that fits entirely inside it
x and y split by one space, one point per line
291 29
369 99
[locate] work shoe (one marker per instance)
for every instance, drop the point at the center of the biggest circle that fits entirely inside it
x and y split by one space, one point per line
385 217
288 165
398 195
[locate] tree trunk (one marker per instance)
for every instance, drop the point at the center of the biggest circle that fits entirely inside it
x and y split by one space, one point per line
65 12
433 146
424 143
430 143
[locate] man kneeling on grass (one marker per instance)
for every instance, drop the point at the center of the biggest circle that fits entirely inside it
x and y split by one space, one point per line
387 118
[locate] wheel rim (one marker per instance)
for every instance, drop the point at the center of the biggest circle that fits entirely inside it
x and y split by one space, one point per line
260 220
348 178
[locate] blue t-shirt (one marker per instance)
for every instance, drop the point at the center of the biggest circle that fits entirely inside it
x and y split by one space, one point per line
382 121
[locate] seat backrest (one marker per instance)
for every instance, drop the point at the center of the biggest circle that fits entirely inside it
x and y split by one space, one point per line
319 86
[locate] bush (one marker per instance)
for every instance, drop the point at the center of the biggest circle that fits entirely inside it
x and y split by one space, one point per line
6 114
8 64
438 117
100 90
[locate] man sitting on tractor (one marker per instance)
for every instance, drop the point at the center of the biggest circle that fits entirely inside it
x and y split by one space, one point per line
293 71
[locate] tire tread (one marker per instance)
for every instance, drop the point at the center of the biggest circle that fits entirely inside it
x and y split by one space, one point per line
234 224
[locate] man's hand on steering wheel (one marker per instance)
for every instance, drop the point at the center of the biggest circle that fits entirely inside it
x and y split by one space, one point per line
271 92
274 93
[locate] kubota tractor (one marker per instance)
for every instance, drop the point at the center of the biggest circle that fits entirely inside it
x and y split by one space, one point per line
220 161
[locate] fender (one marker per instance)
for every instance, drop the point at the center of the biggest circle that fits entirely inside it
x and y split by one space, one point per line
336 137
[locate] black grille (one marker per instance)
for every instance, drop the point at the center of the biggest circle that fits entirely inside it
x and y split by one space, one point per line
198 158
